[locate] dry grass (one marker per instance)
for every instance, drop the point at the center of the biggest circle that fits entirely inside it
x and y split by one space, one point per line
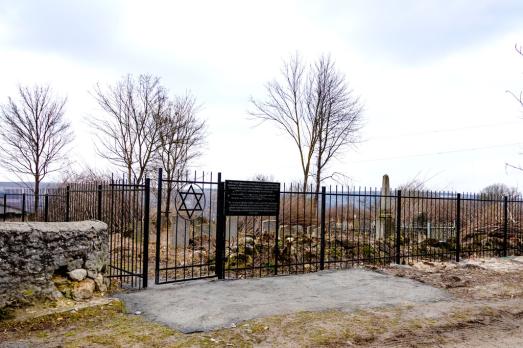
109 326
480 309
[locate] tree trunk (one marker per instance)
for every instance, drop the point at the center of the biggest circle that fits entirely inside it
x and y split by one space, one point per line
129 173
318 163
318 179
36 193
305 181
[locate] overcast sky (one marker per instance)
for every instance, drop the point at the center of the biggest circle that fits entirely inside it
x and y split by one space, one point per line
432 75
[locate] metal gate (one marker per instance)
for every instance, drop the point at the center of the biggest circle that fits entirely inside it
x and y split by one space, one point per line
195 239
186 227
125 207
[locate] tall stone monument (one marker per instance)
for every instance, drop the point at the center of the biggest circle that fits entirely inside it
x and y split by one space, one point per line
384 220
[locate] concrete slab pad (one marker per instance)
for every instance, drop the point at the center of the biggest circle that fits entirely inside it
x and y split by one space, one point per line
204 305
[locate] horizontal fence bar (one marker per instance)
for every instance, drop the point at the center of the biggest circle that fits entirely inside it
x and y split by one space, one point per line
171 281
127 273
191 182
336 227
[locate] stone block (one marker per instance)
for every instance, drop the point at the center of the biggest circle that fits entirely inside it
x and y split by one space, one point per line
268 226
99 282
75 264
32 254
84 290
77 274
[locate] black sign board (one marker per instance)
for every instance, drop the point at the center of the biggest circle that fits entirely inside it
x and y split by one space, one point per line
252 198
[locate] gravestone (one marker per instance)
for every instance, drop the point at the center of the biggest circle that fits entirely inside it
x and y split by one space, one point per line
268 226
284 230
205 229
296 229
290 230
341 225
313 231
231 227
182 233
384 222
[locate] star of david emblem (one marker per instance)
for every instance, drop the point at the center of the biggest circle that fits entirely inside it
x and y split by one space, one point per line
191 202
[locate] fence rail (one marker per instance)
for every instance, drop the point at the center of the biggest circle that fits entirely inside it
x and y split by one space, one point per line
338 228
329 228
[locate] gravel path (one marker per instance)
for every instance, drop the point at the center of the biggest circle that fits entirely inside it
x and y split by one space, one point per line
211 304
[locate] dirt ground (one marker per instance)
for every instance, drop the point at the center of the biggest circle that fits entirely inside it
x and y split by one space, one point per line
486 310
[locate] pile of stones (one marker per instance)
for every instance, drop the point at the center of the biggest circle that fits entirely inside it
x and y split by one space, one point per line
80 284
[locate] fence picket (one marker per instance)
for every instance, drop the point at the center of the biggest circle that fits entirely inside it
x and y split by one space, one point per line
314 230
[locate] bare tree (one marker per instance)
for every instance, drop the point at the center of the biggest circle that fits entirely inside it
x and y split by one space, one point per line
498 191
413 186
33 134
285 105
314 106
336 111
518 96
84 175
129 136
519 99
181 135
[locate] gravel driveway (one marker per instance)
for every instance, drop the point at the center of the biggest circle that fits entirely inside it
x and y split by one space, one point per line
204 305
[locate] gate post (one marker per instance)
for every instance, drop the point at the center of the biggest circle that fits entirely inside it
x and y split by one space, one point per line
398 228
322 223
46 207
158 227
458 227
276 244
145 256
99 206
220 230
67 201
5 206
23 206
505 226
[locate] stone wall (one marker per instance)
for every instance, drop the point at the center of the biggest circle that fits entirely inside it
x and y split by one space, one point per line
40 260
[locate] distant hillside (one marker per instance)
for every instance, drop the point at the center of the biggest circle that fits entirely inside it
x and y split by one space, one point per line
19 187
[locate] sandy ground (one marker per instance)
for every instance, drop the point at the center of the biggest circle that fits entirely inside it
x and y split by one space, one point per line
496 284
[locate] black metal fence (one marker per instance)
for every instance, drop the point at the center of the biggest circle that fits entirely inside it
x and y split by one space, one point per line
339 228
124 206
330 228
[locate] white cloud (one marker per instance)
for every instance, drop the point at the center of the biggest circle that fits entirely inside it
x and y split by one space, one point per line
417 66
